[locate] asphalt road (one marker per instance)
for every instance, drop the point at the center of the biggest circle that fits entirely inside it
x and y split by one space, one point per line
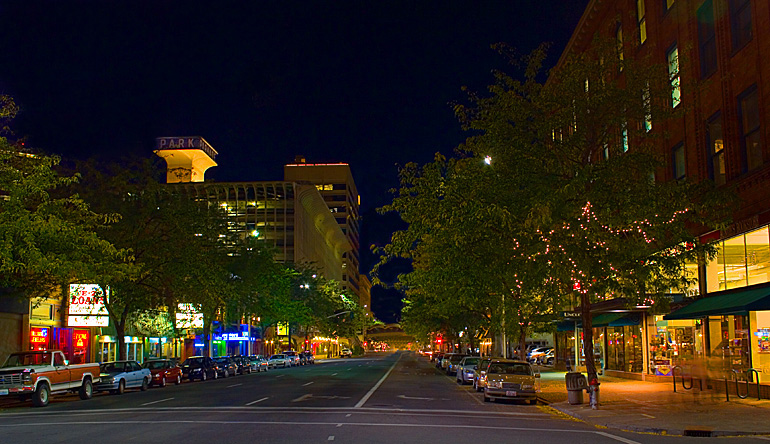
384 398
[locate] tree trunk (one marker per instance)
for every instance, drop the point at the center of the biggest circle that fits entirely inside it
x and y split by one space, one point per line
588 336
522 342
206 341
120 332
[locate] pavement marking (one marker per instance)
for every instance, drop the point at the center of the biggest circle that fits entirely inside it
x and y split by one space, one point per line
766 438
155 402
234 385
376 386
339 425
334 374
258 400
649 416
331 438
302 398
618 438
348 415
280 376
414 397
305 385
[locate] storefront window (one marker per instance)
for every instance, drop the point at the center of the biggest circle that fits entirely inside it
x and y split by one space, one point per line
758 256
760 344
38 338
728 343
673 343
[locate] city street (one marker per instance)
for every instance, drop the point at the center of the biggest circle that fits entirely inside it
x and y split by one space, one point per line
398 397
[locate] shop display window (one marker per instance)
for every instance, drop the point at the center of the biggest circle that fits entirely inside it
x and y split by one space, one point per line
38 338
729 343
760 344
673 343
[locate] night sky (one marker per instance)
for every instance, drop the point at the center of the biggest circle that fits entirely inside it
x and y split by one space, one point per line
364 82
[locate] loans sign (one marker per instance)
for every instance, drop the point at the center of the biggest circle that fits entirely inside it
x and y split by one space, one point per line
85 306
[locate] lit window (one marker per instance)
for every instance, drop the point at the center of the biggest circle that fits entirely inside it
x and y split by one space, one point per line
640 15
673 76
624 137
647 102
669 4
619 44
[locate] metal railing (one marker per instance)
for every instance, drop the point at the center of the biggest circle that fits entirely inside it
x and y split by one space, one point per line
734 375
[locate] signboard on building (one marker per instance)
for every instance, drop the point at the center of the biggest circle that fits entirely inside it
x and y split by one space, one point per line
282 329
85 306
187 316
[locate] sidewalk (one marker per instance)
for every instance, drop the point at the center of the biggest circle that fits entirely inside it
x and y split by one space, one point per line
650 407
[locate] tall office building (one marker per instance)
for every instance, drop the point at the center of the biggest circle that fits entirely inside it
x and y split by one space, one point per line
335 183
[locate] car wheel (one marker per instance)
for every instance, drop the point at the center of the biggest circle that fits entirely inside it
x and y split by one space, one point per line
204 376
121 387
162 382
216 375
178 379
42 395
86 390
145 384
227 373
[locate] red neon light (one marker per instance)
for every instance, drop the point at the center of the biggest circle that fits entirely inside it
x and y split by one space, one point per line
38 335
81 339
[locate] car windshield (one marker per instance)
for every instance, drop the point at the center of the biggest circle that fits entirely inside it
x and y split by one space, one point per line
224 360
509 368
18 359
113 367
155 365
190 361
471 361
277 357
456 358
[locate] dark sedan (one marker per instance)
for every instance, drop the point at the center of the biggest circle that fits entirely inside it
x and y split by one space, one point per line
226 366
199 367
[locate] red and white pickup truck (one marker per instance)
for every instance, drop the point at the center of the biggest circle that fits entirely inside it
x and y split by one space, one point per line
39 374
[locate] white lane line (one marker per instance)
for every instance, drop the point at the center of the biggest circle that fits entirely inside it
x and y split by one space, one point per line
155 402
649 416
618 438
305 385
334 374
348 415
331 438
258 400
339 425
234 385
280 376
376 386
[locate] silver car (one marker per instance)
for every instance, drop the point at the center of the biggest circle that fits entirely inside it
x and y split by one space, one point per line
279 361
465 369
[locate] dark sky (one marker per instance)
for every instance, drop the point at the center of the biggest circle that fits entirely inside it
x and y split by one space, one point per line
359 81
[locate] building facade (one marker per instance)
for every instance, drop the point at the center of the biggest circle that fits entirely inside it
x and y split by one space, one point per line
715 52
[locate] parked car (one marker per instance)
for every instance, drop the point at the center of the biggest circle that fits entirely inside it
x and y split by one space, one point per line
117 376
260 362
453 360
480 374
436 358
511 379
199 367
226 366
309 358
346 353
464 370
548 358
243 365
162 371
279 360
293 356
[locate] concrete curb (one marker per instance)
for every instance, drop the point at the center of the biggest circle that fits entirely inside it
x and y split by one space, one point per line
693 431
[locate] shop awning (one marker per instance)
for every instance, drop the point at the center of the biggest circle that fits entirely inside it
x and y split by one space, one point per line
736 302
603 320
606 319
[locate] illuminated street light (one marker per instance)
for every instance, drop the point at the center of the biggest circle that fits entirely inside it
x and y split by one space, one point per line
488 160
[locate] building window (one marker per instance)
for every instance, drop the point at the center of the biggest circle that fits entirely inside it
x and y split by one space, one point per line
707 42
673 76
741 261
647 103
624 137
751 143
640 15
678 160
716 150
740 22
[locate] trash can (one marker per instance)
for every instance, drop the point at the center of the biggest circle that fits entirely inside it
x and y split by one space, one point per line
576 384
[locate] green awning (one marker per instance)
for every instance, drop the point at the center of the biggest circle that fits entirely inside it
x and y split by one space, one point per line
605 319
733 302
602 320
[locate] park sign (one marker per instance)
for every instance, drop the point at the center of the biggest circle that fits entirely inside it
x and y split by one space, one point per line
85 306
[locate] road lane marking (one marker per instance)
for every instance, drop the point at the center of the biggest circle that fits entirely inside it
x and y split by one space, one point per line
155 402
649 416
412 397
302 398
280 376
376 386
331 438
618 438
339 425
305 385
234 385
348 415
258 400
334 374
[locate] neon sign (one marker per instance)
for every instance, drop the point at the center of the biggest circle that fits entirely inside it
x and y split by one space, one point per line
242 336
38 335
80 339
